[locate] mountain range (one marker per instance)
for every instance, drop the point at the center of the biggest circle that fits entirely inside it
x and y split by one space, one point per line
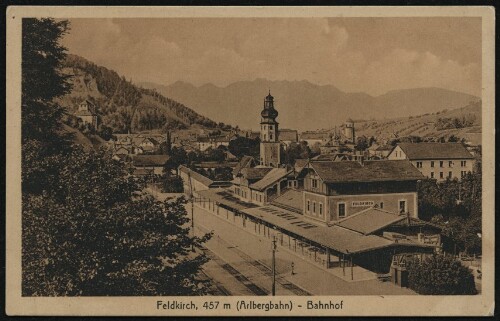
303 105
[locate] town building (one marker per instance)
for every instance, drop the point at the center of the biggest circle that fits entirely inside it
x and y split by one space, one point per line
270 146
438 161
336 190
315 137
87 113
334 212
288 136
204 143
152 163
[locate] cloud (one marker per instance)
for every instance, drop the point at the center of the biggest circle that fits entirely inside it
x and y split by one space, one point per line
322 51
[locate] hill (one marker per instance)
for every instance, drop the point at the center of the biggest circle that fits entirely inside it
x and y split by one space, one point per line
122 105
306 106
462 122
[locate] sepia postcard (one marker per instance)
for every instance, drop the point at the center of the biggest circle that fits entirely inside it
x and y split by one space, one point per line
250 161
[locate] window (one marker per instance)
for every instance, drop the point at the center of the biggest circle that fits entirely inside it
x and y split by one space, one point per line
419 164
341 209
441 163
402 206
270 136
463 173
450 163
314 183
381 205
449 174
271 127
308 206
441 175
265 137
432 174
320 209
314 207
463 163
432 163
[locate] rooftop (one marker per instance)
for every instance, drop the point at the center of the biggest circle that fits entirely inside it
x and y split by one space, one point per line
225 197
369 171
333 237
288 134
370 220
271 177
150 160
252 173
291 200
435 151
246 161
195 175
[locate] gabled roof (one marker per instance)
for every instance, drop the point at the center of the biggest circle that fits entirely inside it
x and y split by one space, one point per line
271 177
300 164
150 160
435 151
251 173
246 161
88 102
370 171
370 220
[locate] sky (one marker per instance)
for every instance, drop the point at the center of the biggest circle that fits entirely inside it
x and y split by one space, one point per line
372 55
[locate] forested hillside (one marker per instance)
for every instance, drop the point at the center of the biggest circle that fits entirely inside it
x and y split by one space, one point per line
462 122
120 104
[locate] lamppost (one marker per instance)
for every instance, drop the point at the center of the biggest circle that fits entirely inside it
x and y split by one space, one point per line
273 291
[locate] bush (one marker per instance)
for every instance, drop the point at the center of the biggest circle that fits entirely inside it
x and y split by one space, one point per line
173 184
440 275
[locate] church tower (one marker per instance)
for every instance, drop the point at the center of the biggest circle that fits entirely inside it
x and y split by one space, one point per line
269 141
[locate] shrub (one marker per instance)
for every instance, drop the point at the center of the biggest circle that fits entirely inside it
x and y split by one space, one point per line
172 184
440 275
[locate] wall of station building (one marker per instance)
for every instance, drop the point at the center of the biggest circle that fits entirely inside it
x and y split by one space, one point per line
326 208
443 169
247 194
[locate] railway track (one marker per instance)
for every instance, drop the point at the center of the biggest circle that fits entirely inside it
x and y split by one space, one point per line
255 289
264 269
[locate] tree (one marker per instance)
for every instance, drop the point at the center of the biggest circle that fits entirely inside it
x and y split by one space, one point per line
243 146
86 227
105 132
297 151
172 184
216 155
361 143
178 157
101 236
440 275
42 82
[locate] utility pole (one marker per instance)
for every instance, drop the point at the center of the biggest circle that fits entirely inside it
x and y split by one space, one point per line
274 266
191 199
